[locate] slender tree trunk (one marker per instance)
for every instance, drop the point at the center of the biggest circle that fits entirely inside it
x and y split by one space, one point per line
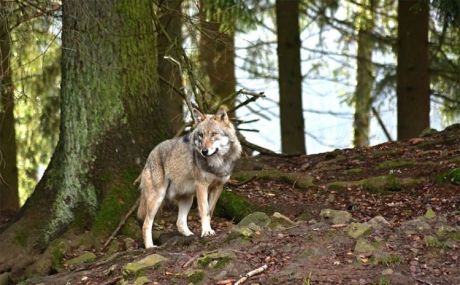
169 40
217 58
8 169
290 77
364 76
111 117
413 80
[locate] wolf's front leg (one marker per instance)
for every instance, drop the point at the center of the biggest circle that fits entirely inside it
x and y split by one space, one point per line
184 205
214 193
203 209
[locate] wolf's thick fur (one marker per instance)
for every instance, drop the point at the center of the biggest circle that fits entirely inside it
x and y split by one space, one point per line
180 168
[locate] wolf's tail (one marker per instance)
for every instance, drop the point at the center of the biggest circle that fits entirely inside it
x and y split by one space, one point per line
142 209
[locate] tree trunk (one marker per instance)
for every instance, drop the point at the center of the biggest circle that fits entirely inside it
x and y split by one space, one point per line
169 41
290 77
364 75
8 169
217 58
110 120
413 80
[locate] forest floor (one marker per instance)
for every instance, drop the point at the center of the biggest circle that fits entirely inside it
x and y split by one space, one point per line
388 214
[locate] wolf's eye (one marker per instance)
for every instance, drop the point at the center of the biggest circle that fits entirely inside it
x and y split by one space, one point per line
200 135
214 134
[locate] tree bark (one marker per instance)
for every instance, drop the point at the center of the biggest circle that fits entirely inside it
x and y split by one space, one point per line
413 80
110 120
364 75
290 77
217 58
8 151
169 41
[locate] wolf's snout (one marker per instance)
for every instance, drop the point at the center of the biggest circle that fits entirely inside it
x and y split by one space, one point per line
205 151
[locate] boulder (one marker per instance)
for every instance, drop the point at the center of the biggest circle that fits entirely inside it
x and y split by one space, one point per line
356 230
336 216
378 222
216 260
136 268
86 257
258 218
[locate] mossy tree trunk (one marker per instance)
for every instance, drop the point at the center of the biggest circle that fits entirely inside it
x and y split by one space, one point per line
169 41
8 169
217 57
413 79
110 120
364 74
290 77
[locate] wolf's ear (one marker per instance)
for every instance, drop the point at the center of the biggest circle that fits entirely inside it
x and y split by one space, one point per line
199 117
221 115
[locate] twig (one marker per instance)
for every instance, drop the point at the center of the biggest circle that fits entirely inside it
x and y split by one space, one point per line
122 222
251 273
254 97
191 260
382 125
237 184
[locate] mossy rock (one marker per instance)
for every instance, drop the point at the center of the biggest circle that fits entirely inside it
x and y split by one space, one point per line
233 206
336 216
280 221
428 132
395 164
364 246
195 276
136 269
353 171
132 229
300 181
356 230
216 260
433 242
429 214
142 280
258 218
452 176
243 233
86 257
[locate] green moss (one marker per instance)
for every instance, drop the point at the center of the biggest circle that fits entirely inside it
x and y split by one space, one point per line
232 206
115 205
395 164
353 171
378 184
195 276
21 237
452 176
132 229
58 249
386 259
433 242
216 260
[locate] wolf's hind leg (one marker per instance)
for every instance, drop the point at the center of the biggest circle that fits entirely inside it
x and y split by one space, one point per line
184 205
154 201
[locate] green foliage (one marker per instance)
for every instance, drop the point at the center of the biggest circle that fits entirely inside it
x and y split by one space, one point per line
231 12
36 75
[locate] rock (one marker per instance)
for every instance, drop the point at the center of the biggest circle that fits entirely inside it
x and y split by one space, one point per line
195 276
86 257
335 216
428 132
430 214
446 232
356 230
240 232
254 227
142 280
280 221
130 243
414 226
378 222
217 259
134 269
5 278
363 246
258 218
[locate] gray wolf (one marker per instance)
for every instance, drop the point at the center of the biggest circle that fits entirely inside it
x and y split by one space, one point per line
198 163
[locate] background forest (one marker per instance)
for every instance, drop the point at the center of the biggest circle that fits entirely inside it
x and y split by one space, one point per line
89 87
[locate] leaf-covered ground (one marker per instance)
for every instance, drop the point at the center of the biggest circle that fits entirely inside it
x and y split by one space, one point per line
412 187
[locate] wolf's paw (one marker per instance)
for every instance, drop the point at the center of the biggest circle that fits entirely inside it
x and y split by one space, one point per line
207 232
185 231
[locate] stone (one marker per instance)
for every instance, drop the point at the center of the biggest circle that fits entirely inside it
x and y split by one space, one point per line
142 280
336 216
86 257
356 230
378 222
414 226
387 271
430 214
5 278
280 221
136 268
258 218
243 232
130 243
195 276
216 260
432 241
363 246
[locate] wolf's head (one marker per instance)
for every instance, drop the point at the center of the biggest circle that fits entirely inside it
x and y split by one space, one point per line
214 134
